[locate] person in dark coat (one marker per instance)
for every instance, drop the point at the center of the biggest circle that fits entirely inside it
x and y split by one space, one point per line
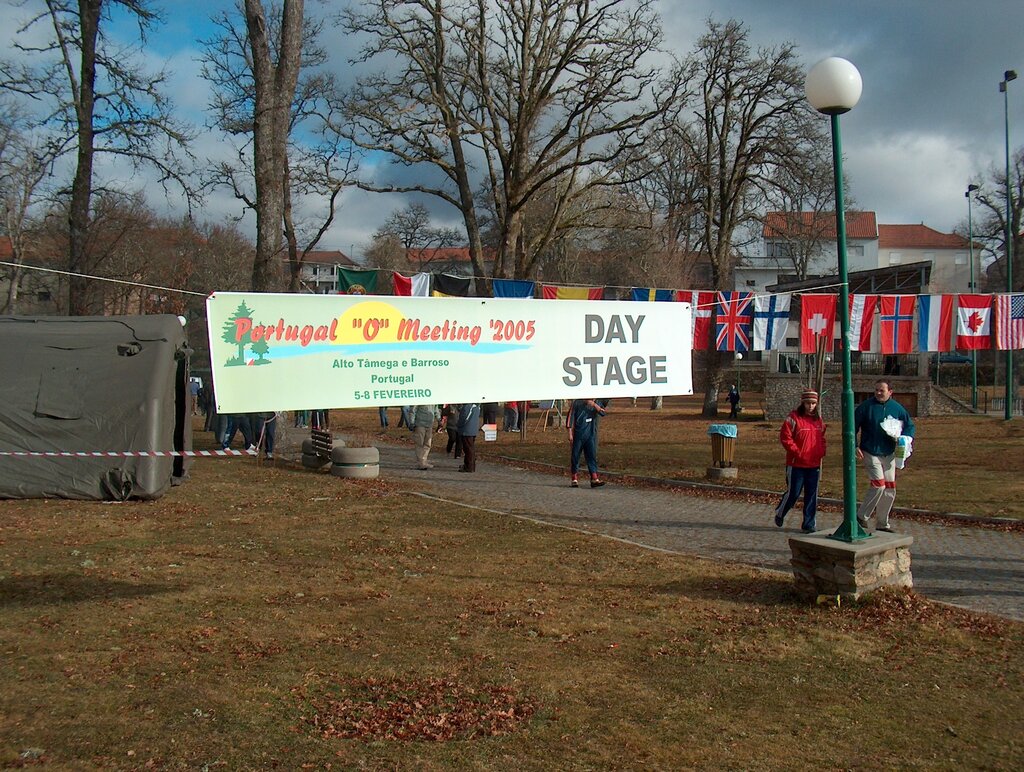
469 426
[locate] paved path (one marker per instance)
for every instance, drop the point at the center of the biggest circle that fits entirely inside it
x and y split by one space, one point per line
978 568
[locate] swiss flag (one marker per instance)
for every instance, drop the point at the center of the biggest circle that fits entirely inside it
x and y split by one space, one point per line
817 320
973 321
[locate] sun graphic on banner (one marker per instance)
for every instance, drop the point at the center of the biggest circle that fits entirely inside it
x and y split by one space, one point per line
369 322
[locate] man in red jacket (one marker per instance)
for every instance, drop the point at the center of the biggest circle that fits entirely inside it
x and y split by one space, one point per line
803 437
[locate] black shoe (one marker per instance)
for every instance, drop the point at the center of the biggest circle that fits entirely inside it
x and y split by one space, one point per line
808 530
779 520
596 483
574 483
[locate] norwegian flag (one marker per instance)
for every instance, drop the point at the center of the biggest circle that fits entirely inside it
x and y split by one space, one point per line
701 304
897 320
734 317
817 320
973 322
862 321
1010 321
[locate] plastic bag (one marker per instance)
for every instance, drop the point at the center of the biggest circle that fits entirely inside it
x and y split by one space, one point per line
904 447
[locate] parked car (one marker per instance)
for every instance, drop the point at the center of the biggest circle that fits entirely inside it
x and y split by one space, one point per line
951 358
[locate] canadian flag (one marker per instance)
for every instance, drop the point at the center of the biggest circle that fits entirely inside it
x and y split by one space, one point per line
862 321
817 320
973 321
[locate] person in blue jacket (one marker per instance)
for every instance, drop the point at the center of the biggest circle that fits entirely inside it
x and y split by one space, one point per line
878 451
582 424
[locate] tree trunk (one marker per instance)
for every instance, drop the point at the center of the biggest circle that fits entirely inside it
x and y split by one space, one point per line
79 302
275 88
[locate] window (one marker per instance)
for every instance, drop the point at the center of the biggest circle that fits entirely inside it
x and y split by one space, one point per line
751 283
960 259
43 296
857 250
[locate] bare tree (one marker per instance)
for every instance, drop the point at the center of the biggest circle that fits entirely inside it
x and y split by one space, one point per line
413 230
990 225
24 165
94 98
749 118
318 164
521 92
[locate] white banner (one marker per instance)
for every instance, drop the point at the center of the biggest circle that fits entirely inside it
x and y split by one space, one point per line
308 352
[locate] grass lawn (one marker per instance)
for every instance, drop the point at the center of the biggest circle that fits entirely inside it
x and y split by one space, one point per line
969 464
263 617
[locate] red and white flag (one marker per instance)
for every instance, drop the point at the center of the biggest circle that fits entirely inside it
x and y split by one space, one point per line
862 321
897 319
817 320
1010 321
973 322
701 304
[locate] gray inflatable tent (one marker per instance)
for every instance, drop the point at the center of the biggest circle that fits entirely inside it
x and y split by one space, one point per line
93 383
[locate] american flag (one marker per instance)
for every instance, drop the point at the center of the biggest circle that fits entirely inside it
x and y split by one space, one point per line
1010 321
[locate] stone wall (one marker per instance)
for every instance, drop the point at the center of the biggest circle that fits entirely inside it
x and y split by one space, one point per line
782 394
824 566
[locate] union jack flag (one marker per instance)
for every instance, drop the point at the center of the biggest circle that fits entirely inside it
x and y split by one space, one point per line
734 317
1010 321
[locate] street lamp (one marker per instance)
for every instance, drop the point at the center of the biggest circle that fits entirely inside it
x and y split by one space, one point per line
970 288
833 87
1007 77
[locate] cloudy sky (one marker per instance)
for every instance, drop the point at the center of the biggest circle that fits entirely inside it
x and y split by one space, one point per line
930 119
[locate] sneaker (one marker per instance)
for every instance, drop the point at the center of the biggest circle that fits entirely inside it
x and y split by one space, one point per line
595 483
270 456
862 523
251 449
808 530
779 520
574 483
886 528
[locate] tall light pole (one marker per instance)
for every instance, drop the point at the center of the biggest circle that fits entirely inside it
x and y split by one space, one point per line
833 87
1007 77
970 288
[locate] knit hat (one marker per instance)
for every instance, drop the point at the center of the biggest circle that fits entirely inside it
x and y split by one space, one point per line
808 394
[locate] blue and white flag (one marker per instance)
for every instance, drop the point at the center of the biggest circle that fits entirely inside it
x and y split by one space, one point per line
771 317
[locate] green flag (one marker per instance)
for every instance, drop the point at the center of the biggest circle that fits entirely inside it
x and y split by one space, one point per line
355 281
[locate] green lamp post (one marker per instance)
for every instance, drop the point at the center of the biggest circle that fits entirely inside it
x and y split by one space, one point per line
1007 77
833 87
970 288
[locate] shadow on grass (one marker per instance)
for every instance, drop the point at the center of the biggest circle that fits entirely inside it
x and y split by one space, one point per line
762 591
52 589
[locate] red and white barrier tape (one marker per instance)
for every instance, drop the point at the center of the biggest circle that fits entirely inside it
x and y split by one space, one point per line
123 453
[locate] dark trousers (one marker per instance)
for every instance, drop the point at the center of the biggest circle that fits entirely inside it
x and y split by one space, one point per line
469 451
453 442
799 479
265 430
587 444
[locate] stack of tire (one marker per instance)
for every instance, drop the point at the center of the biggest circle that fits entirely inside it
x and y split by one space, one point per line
353 463
313 460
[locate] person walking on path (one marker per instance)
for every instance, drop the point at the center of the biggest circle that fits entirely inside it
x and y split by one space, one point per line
877 449
803 437
511 417
582 424
469 426
382 414
423 419
450 416
734 401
